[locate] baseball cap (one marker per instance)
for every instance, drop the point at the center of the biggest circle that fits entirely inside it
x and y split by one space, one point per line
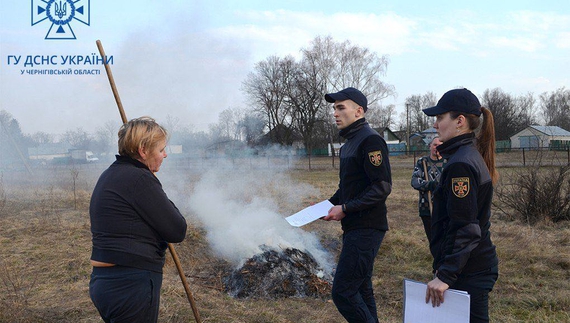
349 93
460 100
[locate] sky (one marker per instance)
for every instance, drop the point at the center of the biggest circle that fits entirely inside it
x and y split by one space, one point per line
187 60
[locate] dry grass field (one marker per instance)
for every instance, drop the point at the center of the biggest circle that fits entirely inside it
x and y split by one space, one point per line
45 248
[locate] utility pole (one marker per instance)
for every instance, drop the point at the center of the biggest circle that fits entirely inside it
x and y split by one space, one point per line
407 128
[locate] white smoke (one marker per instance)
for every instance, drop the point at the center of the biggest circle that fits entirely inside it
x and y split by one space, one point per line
243 211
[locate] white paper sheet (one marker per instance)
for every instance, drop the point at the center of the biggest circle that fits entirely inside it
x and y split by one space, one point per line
454 309
309 214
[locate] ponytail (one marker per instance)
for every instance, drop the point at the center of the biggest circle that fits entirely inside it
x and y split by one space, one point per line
485 138
486 143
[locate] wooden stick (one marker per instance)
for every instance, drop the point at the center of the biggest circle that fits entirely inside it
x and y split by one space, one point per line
429 192
170 245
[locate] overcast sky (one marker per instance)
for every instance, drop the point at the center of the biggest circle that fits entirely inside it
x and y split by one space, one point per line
188 59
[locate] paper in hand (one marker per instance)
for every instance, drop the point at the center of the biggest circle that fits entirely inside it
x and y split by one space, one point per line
455 309
310 214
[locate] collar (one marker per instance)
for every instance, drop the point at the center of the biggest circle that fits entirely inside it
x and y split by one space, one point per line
129 160
351 130
449 147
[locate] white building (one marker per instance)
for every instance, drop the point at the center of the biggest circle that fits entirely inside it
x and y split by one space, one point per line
541 137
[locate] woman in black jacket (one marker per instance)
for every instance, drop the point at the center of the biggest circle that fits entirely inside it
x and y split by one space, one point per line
464 256
132 222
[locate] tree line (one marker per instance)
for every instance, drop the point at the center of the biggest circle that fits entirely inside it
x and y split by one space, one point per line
286 104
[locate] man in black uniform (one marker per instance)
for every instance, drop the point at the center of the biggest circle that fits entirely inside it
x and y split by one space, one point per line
360 205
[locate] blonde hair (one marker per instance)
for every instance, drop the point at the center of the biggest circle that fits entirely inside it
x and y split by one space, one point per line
485 138
141 132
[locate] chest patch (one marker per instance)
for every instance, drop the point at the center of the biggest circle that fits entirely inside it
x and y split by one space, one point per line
375 157
460 186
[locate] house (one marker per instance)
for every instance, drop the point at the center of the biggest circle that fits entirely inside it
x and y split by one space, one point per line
541 137
389 136
282 135
392 141
420 140
49 151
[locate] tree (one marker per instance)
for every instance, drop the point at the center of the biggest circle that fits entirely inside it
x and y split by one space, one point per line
290 95
251 127
418 120
556 108
381 117
511 114
106 137
343 65
305 97
13 144
41 137
78 138
265 87
228 124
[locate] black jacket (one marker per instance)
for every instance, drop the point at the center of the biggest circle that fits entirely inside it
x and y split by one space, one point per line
461 241
132 219
365 178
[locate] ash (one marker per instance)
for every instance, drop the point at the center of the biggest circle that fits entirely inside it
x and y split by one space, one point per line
277 274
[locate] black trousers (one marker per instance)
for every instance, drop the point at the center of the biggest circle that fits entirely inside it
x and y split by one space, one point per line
352 290
125 294
478 285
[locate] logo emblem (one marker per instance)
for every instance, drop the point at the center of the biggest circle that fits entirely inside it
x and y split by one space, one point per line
375 157
60 13
460 186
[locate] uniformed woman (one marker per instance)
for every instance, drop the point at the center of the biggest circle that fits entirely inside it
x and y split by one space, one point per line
464 256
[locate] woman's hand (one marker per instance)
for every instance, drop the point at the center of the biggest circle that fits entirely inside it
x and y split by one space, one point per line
434 292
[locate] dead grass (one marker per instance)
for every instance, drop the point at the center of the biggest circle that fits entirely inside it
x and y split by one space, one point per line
45 247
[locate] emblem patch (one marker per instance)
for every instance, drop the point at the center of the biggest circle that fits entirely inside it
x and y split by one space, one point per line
375 157
460 186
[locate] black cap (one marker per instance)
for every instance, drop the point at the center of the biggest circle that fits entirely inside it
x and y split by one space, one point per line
349 93
459 100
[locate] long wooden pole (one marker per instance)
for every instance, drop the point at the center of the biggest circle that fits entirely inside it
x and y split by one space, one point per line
170 245
426 174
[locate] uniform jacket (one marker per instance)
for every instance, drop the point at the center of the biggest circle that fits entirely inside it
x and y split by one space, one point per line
365 178
132 219
424 186
461 241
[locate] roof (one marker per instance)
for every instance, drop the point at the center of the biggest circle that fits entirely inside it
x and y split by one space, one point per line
552 131
49 149
429 130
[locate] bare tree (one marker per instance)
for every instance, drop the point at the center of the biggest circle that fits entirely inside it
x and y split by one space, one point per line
266 88
106 138
78 138
381 117
41 137
305 97
419 121
228 123
343 65
251 127
13 144
511 114
556 108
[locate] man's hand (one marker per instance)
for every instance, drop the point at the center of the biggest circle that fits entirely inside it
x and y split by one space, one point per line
335 214
434 291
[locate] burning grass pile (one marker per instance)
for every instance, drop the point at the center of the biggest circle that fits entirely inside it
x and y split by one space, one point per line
276 274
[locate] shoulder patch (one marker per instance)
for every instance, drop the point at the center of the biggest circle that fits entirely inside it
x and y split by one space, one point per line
460 186
375 157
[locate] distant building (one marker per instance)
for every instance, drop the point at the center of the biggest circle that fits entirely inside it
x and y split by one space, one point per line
49 151
392 140
389 136
541 137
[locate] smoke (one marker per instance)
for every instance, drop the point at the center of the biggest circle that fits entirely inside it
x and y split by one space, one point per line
244 212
